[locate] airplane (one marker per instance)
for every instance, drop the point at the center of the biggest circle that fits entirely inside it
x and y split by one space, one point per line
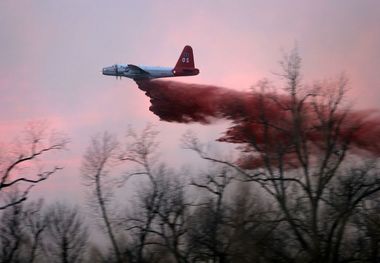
184 67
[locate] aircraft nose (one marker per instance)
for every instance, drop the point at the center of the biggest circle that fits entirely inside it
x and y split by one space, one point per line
107 71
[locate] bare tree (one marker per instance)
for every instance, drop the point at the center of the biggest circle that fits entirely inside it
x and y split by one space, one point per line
16 168
365 241
352 212
35 224
301 149
173 218
99 158
22 226
158 223
12 237
66 234
252 227
208 233
140 149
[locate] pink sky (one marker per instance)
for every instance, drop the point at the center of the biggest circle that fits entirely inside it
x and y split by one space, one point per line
52 53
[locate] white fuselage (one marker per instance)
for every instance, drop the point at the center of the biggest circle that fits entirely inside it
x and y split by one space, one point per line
138 72
158 72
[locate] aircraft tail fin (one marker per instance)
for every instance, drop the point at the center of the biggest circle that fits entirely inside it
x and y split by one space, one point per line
185 63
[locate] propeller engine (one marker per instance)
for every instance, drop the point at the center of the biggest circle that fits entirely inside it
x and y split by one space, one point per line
117 71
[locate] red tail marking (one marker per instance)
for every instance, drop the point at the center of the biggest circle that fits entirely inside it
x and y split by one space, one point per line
185 63
186 59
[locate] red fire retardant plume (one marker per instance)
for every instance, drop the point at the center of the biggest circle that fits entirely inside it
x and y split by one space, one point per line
185 103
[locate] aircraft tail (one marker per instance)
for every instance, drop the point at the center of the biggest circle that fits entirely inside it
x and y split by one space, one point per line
185 63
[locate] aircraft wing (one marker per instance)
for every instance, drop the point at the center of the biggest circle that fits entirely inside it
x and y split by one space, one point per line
137 69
